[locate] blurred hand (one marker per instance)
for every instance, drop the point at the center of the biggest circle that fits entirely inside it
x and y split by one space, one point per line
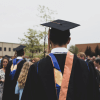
2 80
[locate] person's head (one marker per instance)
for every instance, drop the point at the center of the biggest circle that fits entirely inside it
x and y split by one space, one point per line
98 56
19 51
88 57
35 60
81 55
93 58
59 34
97 62
58 37
5 61
12 57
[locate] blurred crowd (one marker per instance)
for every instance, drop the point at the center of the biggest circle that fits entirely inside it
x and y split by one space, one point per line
94 61
3 64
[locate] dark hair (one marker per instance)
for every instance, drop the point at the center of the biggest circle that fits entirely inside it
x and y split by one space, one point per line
20 53
2 61
59 37
97 60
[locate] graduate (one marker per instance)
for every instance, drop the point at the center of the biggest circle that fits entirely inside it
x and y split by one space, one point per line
61 75
12 73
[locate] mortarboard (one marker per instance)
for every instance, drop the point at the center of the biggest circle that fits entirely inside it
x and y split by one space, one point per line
61 25
19 48
7 56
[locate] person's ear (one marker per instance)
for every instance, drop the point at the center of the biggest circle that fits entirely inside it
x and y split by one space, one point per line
98 64
69 40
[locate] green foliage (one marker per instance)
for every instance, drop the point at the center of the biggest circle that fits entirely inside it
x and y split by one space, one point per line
32 42
45 15
73 49
32 38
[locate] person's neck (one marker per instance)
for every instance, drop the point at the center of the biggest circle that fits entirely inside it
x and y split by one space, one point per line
57 46
19 56
98 68
4 69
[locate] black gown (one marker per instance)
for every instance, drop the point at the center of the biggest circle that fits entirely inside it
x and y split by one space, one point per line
9 85
40 84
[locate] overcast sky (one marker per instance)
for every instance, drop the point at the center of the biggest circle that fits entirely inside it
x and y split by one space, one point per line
17 16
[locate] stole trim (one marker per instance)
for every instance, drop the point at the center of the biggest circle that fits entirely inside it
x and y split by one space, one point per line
57 74
66 76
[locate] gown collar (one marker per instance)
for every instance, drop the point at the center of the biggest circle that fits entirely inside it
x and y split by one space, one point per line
19 57
59 50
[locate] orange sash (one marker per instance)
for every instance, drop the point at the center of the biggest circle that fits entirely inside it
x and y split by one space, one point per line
66 76
63 80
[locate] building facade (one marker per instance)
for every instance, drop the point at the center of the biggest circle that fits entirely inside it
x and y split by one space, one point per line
7 48
82 47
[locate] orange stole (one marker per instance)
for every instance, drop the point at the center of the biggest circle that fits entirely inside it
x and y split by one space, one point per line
66 76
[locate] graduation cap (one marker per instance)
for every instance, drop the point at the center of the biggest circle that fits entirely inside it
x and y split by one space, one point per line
61 25
21 47
7 56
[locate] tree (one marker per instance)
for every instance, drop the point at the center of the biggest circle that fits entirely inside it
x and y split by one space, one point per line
87 51
32 41
73 49
45 14
97 50
92 54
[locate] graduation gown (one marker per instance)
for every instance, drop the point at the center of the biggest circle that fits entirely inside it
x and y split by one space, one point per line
9 85
40 84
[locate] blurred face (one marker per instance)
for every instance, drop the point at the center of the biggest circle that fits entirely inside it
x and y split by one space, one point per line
81 57
93 58
95 64
33 61
5 62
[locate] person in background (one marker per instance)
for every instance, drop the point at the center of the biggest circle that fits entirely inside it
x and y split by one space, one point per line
22 79
6 56
81 55
97 65
12 57
98 56
0 63
93 58
5 61
15 55
88 59
92 62
35 60
12 73
24 58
